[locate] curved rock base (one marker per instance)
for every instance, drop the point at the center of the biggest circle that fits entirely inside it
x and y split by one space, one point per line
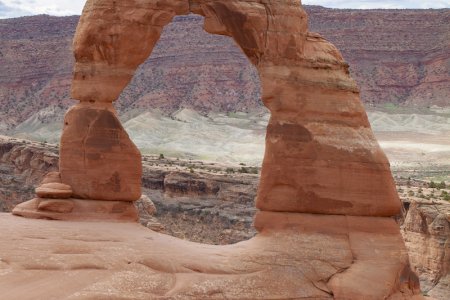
77 210
309 257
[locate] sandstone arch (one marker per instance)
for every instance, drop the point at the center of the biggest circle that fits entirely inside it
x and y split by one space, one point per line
324 180
319 130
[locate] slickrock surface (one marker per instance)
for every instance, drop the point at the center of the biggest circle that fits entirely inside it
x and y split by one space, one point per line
331 255
396 56
77 209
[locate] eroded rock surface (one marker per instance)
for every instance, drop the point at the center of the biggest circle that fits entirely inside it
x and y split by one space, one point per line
147 211
329 256
98 159
23 164
426 231
323 233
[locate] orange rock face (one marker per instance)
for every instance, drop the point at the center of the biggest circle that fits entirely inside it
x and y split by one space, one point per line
326 193
98 159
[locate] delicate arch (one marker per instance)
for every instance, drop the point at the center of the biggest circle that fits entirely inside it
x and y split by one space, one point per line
320 150
326 195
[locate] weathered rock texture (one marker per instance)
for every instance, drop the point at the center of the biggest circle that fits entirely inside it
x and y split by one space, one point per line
99 162
320 152
77 209
23 165
426 231
127 261
97 158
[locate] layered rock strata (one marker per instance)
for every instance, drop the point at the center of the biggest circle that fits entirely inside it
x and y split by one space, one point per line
320 153
426 231
388 50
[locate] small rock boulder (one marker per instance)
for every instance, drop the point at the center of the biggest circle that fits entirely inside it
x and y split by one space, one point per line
147 211
54 191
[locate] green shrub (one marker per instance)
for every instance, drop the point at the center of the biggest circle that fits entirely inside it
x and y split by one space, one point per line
243 170
229 170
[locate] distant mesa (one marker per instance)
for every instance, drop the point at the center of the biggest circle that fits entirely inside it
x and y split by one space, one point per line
36 62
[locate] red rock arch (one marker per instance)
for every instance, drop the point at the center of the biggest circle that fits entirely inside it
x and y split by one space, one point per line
326 195
321 155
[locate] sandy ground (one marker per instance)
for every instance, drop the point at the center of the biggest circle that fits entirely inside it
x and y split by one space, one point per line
417 145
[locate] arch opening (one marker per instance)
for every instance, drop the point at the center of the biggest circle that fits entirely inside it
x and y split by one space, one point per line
199 98
202 112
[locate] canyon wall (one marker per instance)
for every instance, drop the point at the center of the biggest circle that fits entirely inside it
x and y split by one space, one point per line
396 57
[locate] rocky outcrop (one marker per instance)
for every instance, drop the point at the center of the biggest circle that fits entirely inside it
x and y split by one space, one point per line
426 231
147 211
321 232
98 159
23 165
388 50
297 142
179 193
98 162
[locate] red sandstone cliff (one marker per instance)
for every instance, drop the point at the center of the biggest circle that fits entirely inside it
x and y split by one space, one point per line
396 56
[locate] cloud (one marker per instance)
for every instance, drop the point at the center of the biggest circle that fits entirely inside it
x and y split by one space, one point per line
15 8
11 12
367 4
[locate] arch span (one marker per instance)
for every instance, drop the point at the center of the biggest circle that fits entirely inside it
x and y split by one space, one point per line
321 154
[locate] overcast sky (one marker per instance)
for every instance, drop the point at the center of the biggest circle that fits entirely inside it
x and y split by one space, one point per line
16 8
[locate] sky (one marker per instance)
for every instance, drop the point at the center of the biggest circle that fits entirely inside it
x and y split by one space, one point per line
17 8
